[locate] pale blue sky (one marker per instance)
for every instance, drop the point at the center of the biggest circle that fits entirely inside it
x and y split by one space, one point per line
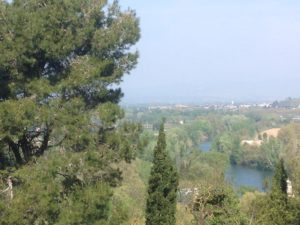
198 50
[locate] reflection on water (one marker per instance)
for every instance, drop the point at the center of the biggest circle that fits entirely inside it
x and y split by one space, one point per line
245 176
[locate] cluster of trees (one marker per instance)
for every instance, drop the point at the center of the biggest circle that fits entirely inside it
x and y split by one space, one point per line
268 153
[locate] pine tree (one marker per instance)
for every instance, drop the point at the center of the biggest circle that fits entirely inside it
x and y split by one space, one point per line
163 183
61 63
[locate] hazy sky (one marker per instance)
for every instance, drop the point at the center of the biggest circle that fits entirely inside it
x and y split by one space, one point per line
197 50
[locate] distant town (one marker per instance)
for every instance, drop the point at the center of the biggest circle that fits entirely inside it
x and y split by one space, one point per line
288 103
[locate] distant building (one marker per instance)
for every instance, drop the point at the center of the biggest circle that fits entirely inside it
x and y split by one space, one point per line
148 126
245 106
180 106
264 105
255 143
289 190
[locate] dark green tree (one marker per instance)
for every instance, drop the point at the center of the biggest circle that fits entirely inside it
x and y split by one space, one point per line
61 62
163 184
279 182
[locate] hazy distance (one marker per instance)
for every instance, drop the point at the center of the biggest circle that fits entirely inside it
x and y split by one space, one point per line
215 50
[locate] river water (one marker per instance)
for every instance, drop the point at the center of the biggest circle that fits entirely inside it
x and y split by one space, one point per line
243 176
205 146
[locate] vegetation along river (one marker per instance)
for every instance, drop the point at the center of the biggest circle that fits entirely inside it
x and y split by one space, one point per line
243 176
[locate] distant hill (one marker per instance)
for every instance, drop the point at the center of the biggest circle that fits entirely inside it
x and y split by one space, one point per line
287 103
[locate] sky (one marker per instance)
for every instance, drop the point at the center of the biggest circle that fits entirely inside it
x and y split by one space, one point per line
194 51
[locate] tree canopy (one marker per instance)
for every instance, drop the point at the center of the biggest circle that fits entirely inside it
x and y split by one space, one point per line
60 62
60 137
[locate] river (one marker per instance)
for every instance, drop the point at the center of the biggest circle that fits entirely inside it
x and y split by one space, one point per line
243 176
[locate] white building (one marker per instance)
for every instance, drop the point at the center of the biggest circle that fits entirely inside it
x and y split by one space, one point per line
289 190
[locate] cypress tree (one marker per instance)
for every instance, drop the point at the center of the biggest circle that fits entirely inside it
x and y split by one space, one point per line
278 205
279 184
162 189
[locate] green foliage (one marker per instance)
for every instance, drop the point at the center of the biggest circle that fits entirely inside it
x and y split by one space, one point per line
58 63
131 195
198 131
216 206
109 114
126 140
289 136
226 143
148 139
209 167
60 135
47 194
162 189
263 157
279 182
274 211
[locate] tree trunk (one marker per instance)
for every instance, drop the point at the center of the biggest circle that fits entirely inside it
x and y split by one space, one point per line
10 188
25 146
45 141
15 149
